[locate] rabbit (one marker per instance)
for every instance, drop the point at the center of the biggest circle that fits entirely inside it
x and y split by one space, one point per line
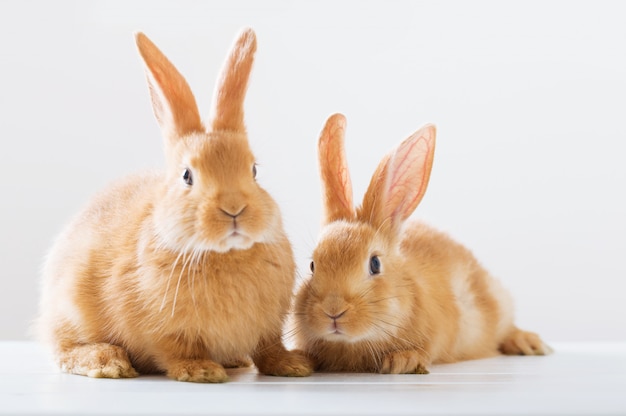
388 295
181 272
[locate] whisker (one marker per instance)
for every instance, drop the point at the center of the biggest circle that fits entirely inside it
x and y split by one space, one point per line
180 277
373 351
196 263
378 300
407 342
167 287
365 292
291 333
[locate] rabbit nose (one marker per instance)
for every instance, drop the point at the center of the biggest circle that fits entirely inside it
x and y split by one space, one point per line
233 213
336 316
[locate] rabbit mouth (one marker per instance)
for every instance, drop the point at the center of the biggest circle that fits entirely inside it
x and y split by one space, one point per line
237 240
335 329
336 335
340 332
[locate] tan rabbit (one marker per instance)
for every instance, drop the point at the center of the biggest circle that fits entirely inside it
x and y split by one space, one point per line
390 295
182 271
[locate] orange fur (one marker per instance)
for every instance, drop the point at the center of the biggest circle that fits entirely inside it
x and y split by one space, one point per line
431 302
231 86
336 183
160 275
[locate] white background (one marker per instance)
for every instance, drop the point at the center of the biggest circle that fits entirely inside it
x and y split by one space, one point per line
529 99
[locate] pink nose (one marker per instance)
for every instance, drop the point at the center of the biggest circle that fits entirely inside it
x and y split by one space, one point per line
336 316
233 213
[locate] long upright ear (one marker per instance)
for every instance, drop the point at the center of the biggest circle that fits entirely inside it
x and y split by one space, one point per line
172 101
400 180
336 184
231 86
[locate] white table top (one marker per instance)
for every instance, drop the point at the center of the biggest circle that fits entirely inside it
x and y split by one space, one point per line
587 379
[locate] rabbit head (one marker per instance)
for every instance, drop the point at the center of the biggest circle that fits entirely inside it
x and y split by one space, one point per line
211 200
358 274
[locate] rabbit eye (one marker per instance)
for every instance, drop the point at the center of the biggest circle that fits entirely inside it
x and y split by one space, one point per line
187 177
312 266
374 265
254 171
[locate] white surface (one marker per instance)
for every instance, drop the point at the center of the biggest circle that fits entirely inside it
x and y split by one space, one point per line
529 99
579 379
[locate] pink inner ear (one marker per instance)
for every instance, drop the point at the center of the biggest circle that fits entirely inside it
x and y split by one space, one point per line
160 105
172 100
408 173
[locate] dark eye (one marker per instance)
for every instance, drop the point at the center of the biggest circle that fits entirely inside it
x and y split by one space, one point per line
254 170
312 266
374 265
187 177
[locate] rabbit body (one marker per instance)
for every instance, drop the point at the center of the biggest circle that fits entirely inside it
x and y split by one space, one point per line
393 295
184 271
107 283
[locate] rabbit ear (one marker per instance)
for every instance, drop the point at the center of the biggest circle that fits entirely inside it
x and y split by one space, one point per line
230 90
172 101
336 184
400 180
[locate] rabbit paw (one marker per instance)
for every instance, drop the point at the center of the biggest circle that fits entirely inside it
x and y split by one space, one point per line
98 361
241 362
524 343
197 371
288 364
403 362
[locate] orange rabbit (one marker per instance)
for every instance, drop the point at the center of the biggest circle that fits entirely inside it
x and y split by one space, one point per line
390 295
182 271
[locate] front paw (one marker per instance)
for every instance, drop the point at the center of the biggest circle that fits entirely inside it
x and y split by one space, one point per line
197 371
241 362
403 362
99 360
287 364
